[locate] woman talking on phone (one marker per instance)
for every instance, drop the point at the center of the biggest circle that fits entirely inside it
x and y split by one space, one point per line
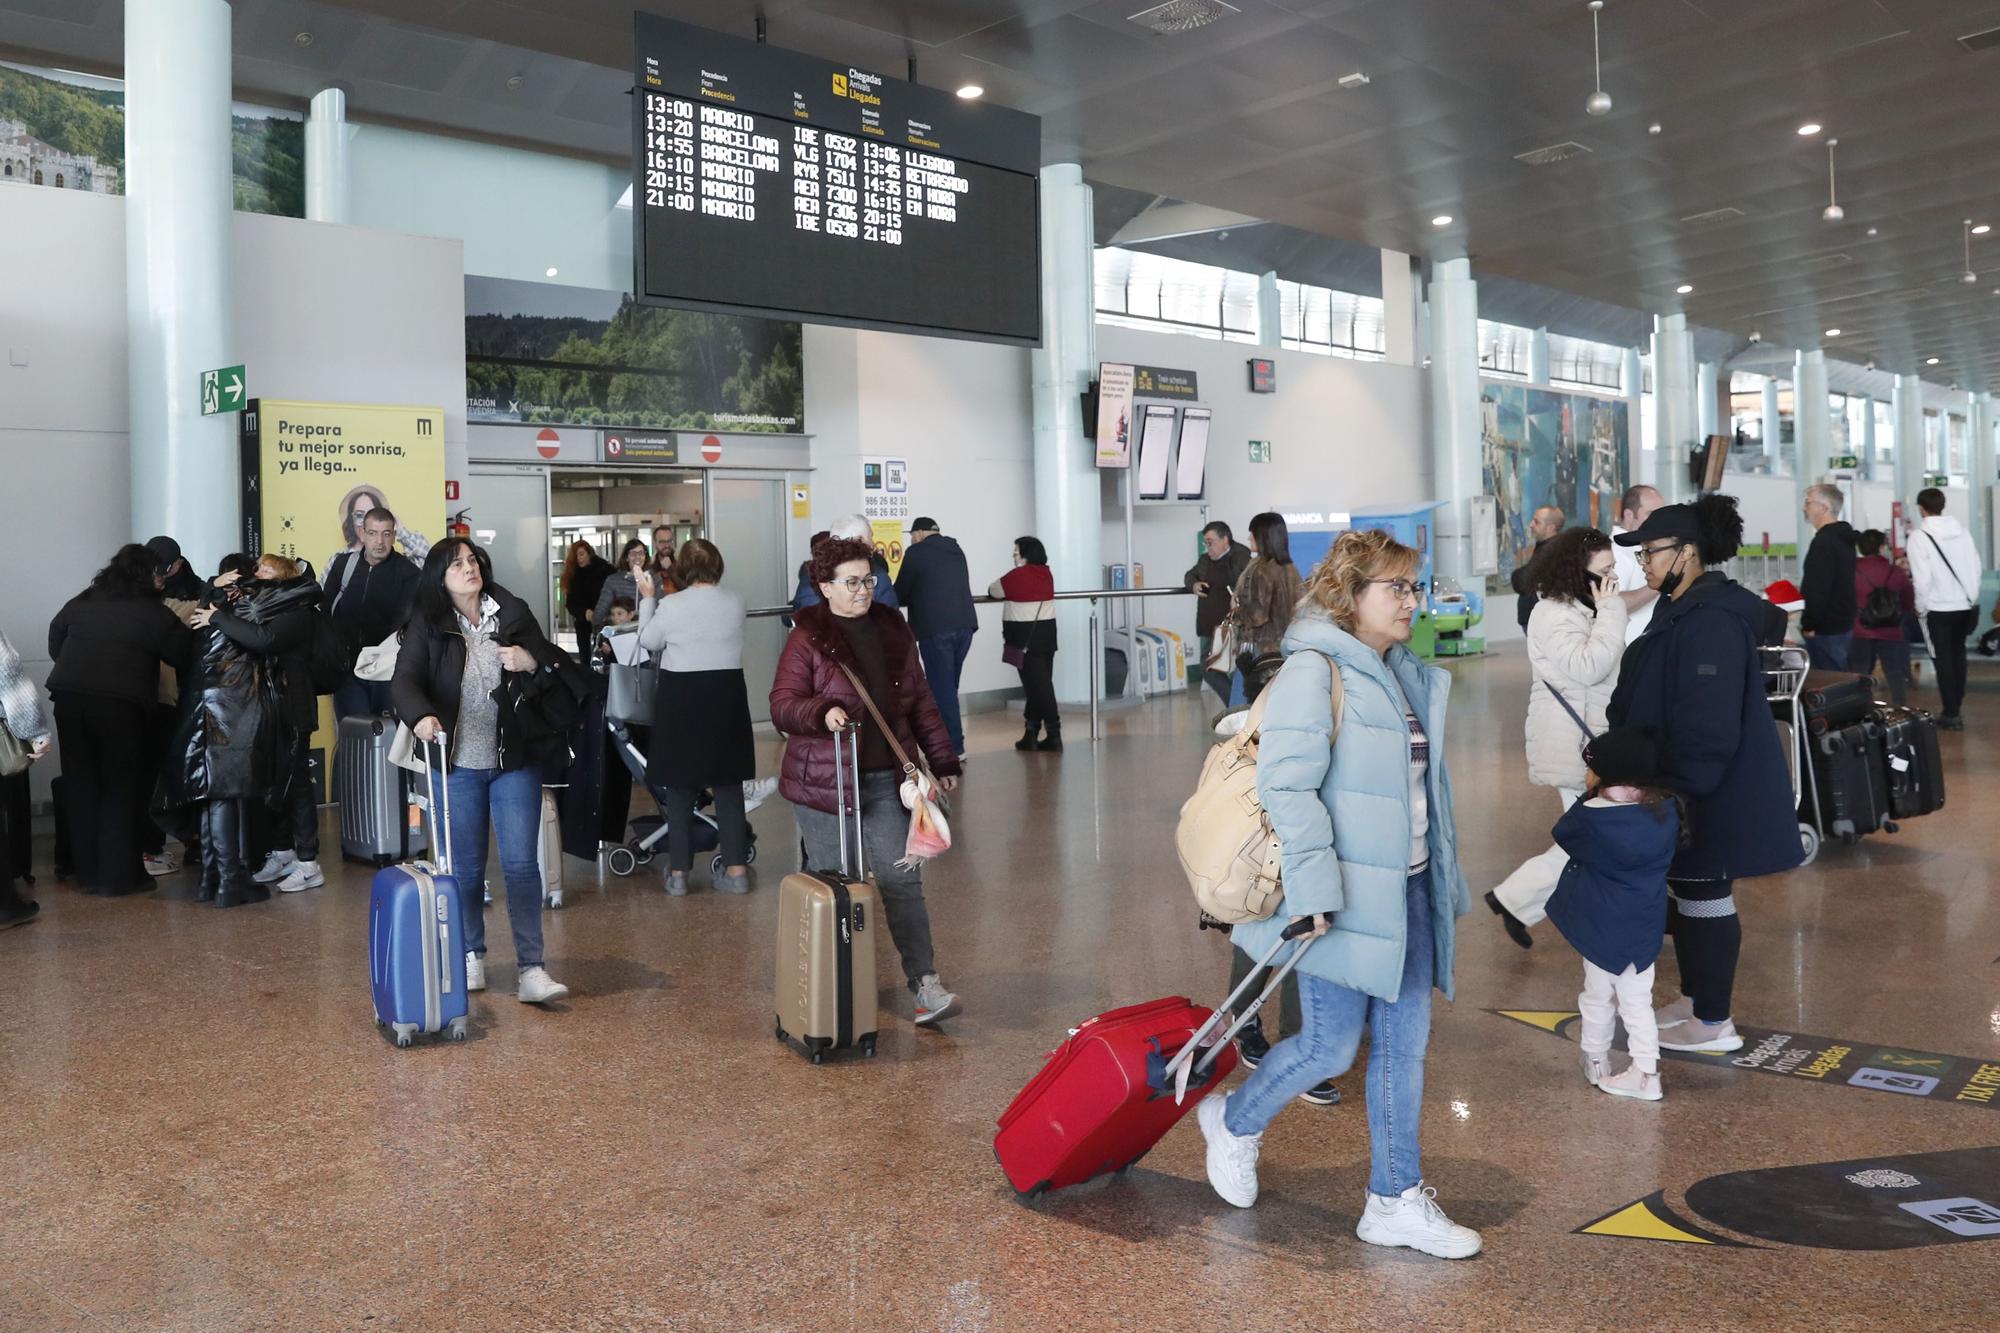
1576 635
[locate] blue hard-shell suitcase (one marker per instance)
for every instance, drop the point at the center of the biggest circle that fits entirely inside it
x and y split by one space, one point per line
416 937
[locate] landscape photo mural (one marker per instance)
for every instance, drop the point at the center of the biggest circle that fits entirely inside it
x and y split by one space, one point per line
1545 446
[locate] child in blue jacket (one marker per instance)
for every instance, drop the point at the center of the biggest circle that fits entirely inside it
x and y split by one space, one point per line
1611 903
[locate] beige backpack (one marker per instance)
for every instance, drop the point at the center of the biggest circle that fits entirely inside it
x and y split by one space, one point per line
1227 847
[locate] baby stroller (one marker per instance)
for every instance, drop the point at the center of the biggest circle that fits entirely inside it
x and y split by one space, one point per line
630 702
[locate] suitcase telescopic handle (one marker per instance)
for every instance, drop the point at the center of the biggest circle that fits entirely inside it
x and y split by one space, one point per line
440 827
1291 934
853 733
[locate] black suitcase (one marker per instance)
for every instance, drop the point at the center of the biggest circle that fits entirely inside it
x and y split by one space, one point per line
1836 699
1914 770
1853 779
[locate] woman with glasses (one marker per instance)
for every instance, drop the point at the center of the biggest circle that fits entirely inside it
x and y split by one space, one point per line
1576 634
842 639
1695 682
1028 629
1266 597
1359 797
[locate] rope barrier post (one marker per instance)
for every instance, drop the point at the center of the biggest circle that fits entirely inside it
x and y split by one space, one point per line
1096 658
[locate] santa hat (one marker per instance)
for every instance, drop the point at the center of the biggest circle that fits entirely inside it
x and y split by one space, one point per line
1786 596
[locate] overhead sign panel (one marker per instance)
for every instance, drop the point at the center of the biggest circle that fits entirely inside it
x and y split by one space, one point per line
774 183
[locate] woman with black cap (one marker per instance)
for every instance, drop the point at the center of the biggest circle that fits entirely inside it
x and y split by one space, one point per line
1693 681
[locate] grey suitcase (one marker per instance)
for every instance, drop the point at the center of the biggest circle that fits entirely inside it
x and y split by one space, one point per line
378 820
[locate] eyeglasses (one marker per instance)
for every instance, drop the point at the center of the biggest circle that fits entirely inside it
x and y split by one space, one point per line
1648 552
854 585
1403 588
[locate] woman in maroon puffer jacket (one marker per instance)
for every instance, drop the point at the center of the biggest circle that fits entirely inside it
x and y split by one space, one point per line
812 697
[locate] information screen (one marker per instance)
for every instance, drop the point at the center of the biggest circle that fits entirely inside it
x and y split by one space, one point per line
1191 466
1156 450
775 184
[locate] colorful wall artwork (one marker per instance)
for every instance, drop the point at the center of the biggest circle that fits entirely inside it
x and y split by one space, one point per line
1545 446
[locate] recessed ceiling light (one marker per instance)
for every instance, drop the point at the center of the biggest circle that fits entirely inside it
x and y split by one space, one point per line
1811 127
1441 220
1930 360
1874 231
1981 229
1833 333
550 272
1684 289
970 91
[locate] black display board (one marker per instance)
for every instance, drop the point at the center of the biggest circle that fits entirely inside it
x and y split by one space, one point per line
772 183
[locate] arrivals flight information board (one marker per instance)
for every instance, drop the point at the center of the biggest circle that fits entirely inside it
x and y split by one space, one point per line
773 183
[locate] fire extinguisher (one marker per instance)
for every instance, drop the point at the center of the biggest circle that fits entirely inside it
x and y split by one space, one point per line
460 525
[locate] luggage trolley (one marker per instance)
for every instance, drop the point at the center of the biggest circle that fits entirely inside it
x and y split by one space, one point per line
1785 681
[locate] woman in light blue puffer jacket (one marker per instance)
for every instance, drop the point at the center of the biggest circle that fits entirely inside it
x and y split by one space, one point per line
1363 810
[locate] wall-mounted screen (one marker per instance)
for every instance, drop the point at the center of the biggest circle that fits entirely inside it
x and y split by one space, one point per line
773 183
1191 462
1156 450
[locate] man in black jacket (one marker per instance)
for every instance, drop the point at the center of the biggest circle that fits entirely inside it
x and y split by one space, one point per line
935 589
1828 582
1545 523
369 593
1213 582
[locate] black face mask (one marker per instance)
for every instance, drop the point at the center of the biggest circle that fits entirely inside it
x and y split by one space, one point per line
1673 577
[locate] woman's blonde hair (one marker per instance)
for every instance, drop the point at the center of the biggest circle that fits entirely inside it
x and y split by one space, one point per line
282 565
1356 558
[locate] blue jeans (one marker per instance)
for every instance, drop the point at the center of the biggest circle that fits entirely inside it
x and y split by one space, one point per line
510 804
1828 652
1325 1046
944 661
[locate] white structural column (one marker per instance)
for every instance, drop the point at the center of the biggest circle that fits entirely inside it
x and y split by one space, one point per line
1772 426
1399 309
1538 356
1632 375
177 273
326 157
1979 478
1866 445
1674 417
1068 493
1812 428
1270 311
1455 418
1707 411
1909 402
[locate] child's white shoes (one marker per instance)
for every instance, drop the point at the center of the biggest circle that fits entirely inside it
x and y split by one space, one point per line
1631 1081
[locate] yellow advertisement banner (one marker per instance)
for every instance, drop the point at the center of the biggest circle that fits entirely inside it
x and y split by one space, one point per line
889 541
312 470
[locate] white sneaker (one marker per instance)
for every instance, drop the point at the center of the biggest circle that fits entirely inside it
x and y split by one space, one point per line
276 865
1596 1068
1413 1220
1232 1158
475 972
1633 1082
303 875
166 863
933 1001
1707 1038
538 987
1675 1014
757 791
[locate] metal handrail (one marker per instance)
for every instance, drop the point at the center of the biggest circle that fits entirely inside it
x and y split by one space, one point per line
1091 595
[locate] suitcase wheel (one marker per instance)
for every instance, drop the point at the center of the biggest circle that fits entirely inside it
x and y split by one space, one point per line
868 1046
1808 842
715 866
457 1029
1890 826
643 855
621 861
818 1056
406 1033
1850 837
750 857
781 1033
553 900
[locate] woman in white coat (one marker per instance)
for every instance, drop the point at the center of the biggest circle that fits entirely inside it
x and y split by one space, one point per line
1576 636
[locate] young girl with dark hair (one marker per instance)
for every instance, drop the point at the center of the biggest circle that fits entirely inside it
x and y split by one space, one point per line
1611 903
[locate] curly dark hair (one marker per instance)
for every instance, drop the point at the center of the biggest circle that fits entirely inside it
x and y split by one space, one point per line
1561 569
834 552
1721 529
128 574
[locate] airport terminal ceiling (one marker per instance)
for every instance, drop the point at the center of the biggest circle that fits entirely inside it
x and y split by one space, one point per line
1249 112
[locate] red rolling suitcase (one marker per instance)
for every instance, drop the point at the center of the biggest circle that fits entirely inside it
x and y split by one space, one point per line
1109 1093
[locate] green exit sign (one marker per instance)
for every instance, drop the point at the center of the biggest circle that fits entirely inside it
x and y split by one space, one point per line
1260 451
222 391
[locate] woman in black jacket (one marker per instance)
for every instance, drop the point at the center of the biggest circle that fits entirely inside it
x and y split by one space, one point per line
470 658
281 636
107 645
1695 683
226 746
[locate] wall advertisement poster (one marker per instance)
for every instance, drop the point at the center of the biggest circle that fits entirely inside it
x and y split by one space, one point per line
1544 447
1114 415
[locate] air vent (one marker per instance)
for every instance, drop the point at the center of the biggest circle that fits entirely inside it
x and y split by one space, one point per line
1713 216
1981 41
1826 261
1555 152
1178 16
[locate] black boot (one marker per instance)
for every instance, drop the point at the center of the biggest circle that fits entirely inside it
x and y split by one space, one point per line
224 829
14 909
1051 736
1516 929
203 847
1027 741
